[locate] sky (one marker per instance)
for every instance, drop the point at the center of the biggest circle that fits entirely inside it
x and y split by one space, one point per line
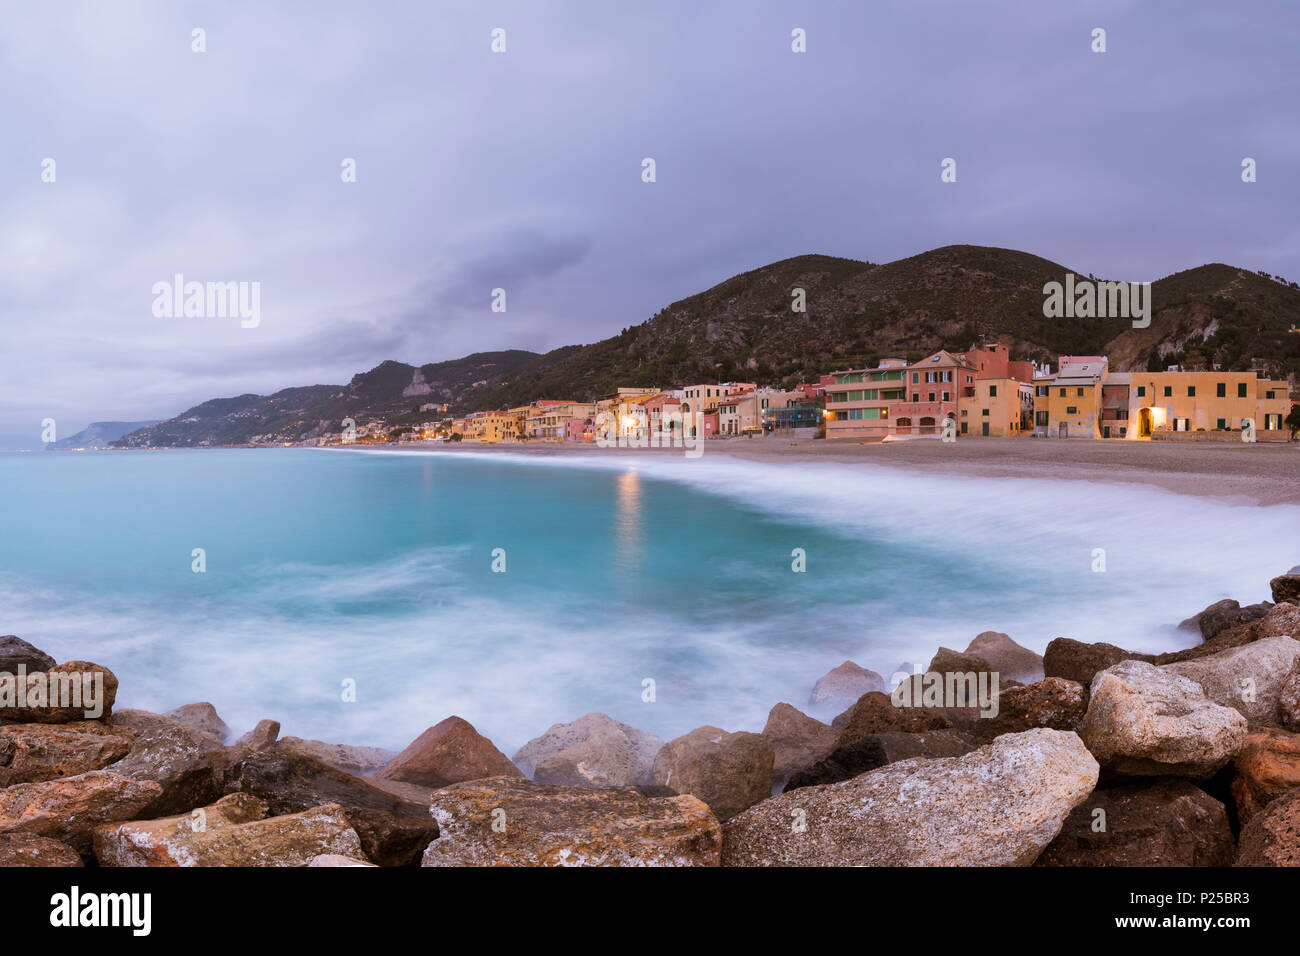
522 170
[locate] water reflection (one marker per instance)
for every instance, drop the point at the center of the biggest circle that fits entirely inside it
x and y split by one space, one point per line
627 523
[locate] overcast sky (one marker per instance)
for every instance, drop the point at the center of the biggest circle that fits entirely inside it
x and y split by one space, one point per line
522 170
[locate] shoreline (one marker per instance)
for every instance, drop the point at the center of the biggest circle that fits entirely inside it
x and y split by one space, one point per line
1265 474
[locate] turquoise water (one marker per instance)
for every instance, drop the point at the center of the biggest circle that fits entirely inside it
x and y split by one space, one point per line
325 567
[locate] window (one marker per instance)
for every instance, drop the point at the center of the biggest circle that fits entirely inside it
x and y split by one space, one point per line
963 428
916 396
1169 390
1142 391
1191 391
1241 389
1071 410
1221 390
915 378
1080 393
1221 424
1040 418
993 391
984 412
931 398
1063 393
1268 394
945 396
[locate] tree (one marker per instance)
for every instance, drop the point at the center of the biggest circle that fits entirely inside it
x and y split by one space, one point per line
1293 420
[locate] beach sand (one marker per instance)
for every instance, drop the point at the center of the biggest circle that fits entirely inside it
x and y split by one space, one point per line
1263 473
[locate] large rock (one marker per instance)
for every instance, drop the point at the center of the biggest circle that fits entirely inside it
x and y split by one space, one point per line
842 686
875 713
1052 702
188 764
1248 678
948 661
1266 767
1272 837
593 751
876 750
1223 615
1165 822
1286 587
77 690
263 735
1080 662
15 653
68 808
1008 658
234 831
448 752
997 806
797 741
358 761
1288 700
729 772
201 716
512 821
1282 620
27 849
1144 720
393 831
33 752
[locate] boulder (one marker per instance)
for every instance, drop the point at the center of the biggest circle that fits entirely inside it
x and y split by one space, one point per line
234 831
946 661
202 716
999 805
1223 615
77 690
393 831
28 849
1009 659
729 772
448 752
1272 837
512 821
1052 702
1266 767
875 713
1248 678
68 808
593 751
34 752
1144 720
876 750
1286 587
1281 620
797 741
261 737
15 653
1080 662
1288 700
841 687
1165 822
188 764
358 761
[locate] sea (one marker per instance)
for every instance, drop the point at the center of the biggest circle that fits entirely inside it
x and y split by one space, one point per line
359 596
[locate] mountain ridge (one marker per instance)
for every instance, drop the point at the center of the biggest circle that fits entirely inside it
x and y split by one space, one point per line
743 329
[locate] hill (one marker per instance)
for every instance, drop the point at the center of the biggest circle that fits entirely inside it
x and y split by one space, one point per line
744 329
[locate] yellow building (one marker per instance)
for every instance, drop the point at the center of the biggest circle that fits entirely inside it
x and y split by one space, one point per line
994 407
492 427
1172 404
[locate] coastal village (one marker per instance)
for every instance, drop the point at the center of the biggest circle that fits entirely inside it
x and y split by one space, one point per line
980 392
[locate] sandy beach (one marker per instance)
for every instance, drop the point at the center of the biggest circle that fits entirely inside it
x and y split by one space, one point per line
1263 473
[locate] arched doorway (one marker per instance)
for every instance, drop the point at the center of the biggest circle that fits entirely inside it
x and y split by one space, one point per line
927 426
903 426
1144 423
